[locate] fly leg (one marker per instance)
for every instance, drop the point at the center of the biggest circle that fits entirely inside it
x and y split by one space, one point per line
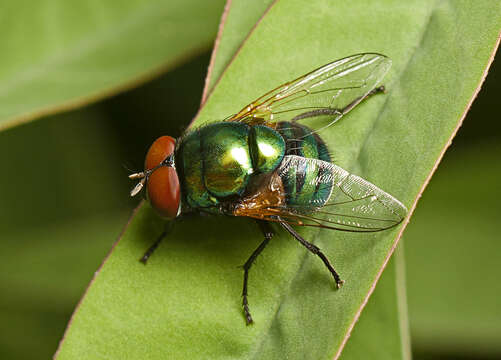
268 234
152 248
379 89
347 108
338 112
313 249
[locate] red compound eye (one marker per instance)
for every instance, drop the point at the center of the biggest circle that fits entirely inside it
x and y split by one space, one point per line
163 183
159 150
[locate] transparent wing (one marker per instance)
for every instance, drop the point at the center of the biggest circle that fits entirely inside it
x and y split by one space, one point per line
328 196
328 92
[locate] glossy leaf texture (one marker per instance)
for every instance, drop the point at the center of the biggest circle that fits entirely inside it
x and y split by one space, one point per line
186 302
58 55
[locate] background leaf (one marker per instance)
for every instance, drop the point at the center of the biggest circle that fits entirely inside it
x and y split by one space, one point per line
425 40
453 252
383 329
61 54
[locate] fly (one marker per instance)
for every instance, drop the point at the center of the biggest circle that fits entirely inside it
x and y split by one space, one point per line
268 162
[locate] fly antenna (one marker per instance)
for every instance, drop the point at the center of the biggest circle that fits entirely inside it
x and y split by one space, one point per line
140 175
143 175
138 187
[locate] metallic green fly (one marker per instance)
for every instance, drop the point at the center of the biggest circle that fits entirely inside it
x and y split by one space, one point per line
268 162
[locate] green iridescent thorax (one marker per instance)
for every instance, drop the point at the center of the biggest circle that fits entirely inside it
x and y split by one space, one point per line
267 148
219 160
227 161
189 166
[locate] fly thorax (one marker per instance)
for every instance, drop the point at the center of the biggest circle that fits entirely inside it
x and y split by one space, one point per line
267 148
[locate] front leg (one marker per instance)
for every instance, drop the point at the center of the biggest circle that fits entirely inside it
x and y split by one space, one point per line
152 248
268 234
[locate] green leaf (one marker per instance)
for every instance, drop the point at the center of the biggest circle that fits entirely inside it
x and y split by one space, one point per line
58 55
454 256
186 302
383 330
236 23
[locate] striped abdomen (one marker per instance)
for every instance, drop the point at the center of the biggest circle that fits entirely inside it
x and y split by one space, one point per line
299 184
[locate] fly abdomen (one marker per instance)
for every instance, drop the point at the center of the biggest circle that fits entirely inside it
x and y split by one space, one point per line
300 183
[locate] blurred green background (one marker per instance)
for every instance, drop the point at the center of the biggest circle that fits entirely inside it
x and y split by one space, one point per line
64 200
